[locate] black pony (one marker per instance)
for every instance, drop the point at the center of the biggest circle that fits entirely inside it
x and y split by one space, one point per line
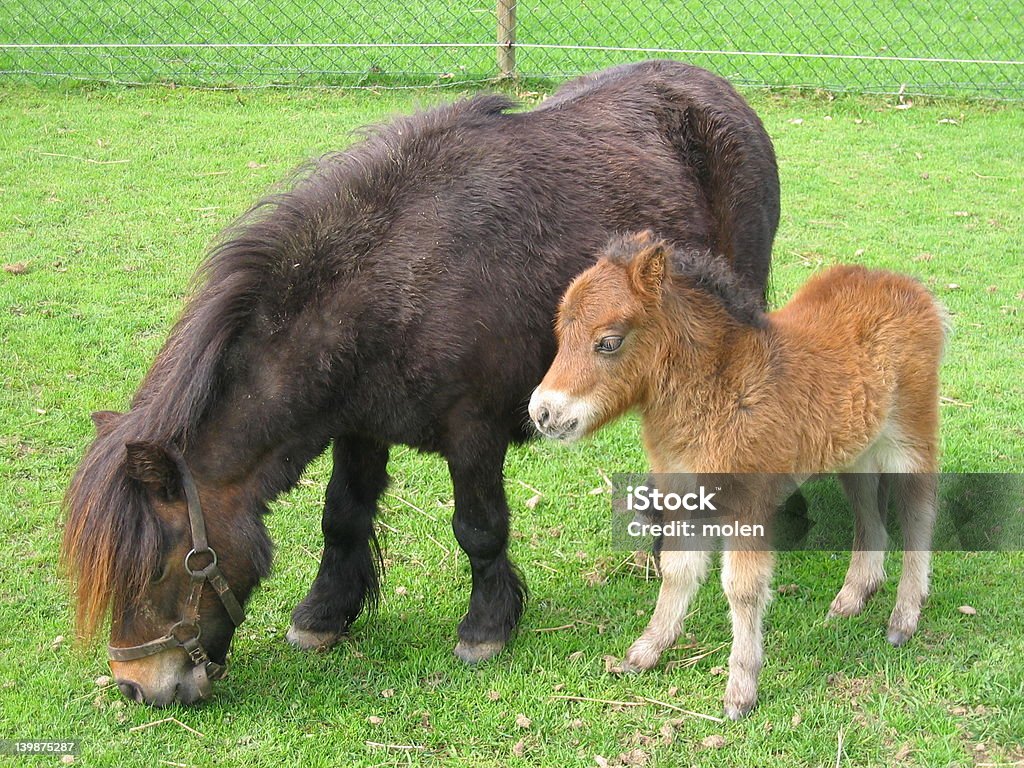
402 291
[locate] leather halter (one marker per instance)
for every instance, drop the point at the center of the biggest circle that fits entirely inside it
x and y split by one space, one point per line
186 632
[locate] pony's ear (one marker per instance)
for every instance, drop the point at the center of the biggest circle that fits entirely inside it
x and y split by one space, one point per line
649 265
105 421
149 464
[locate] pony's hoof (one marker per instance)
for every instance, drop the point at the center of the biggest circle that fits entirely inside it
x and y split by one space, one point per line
740 695
899 635
309 640
474 653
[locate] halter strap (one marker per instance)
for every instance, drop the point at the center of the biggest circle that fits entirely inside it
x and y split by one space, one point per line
186 632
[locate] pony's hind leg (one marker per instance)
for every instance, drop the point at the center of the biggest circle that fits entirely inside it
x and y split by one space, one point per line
681 574
867 493
746 579
916 497
348 576
480 523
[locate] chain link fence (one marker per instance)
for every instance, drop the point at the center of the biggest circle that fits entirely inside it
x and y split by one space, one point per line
935 47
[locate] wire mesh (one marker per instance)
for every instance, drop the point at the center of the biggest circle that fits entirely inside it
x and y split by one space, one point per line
937 47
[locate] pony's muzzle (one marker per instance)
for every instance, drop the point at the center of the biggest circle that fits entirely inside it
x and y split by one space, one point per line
161 682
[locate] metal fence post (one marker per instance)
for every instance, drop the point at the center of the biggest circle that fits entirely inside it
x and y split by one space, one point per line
507 37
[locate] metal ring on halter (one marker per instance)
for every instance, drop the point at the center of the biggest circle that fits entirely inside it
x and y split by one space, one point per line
192 572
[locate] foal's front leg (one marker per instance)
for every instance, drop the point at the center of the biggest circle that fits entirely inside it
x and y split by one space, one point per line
681 575
746 579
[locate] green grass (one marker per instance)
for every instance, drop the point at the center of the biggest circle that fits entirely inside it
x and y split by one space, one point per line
950 30
108 248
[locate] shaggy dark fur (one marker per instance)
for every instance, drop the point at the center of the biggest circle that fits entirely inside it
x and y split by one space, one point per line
403 291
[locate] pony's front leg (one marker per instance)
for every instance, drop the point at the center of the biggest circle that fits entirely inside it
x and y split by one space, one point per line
480 523
682 572
746 579
347 579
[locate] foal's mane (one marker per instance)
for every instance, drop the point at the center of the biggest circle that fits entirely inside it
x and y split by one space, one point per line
272 259
699 269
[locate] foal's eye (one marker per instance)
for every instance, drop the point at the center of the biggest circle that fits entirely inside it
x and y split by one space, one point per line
609 344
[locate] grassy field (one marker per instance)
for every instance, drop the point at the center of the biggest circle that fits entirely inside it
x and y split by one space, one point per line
555 38
107 201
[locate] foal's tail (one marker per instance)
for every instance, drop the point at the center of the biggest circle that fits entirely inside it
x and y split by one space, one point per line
947 323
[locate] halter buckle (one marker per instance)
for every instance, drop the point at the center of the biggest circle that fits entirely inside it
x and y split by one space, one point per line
195 651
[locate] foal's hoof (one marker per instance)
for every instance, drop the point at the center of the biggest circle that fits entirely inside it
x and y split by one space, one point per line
737 710
623 668
474 653
740 695
640 657
900 630
847 604
898 637
309 640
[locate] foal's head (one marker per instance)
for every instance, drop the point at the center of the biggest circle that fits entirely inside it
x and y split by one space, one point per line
610 326
129 540
640 317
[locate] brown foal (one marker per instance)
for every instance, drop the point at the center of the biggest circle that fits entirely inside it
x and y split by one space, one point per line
843 378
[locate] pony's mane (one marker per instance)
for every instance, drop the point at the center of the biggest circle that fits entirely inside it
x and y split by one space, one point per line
335 211
701 270
112 539
274 256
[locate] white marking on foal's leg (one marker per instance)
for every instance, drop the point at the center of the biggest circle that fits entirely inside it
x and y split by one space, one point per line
681 575
746 578
867 563
917 501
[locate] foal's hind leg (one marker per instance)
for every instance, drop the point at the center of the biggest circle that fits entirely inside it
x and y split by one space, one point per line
867 494
916 501
480 523
347 579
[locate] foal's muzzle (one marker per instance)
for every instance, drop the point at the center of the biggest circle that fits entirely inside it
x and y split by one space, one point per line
559 416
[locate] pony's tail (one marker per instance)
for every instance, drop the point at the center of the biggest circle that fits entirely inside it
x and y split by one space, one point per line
717 133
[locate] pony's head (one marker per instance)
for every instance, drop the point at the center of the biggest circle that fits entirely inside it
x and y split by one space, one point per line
171 556
608 329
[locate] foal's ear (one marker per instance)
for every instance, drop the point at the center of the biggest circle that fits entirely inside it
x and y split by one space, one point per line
105 421
151 465
647 270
